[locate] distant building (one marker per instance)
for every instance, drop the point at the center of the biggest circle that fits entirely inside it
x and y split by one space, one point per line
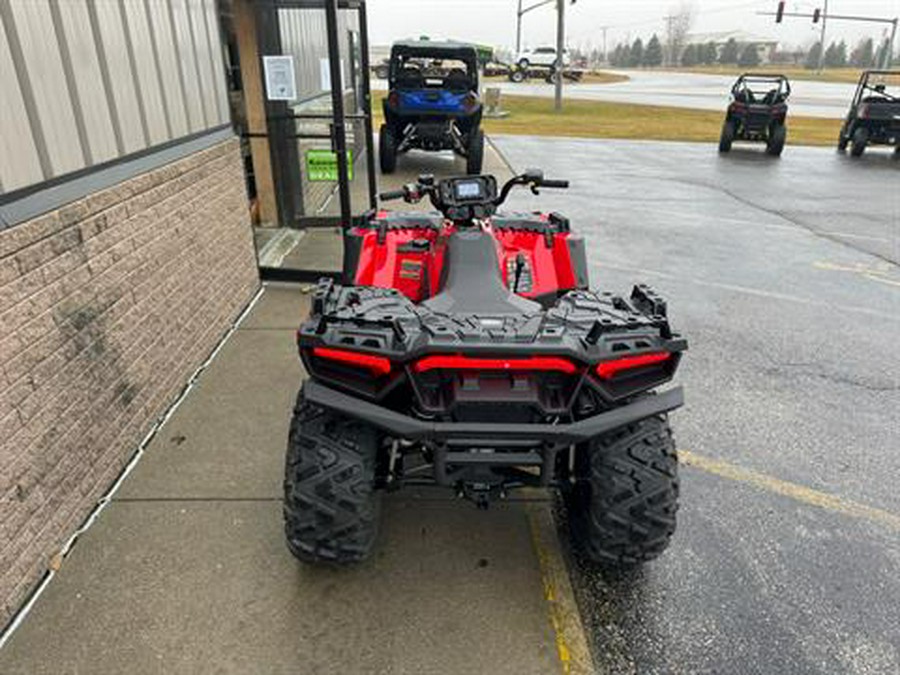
765 45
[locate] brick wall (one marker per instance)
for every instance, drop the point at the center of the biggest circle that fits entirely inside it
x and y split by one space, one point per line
106 307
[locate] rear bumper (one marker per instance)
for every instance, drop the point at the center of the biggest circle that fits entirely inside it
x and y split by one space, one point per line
490 433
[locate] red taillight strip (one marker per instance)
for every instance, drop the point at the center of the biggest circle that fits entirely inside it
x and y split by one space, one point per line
537 363
379 365
609 369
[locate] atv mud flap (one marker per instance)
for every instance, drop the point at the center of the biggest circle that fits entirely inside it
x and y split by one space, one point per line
489 433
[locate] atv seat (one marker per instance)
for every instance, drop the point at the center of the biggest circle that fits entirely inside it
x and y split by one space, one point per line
457 80
410 78
471 281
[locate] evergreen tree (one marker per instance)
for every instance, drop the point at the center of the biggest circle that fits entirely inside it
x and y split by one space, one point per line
864 54
749 56
812 57
881 54
689 56
653 55
613 56
836 55
710 54
729 52
636 53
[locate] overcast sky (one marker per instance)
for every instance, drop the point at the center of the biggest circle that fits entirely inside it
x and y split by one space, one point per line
493 21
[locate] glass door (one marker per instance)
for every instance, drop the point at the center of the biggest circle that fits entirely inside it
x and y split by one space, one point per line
316 78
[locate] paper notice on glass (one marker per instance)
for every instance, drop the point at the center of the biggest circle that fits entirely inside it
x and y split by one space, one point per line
280 82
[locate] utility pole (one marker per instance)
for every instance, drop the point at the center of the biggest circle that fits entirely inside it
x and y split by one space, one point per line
519 30
560 48
670 40
889 56
822 39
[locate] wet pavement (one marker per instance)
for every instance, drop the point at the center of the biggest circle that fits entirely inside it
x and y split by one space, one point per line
691 90
783 275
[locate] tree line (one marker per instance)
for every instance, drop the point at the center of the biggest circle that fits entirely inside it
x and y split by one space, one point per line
864 55
837 55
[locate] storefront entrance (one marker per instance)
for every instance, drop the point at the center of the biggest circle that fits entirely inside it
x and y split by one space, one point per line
314 72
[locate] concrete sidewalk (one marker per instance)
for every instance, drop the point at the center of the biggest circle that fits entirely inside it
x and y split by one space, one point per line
186 571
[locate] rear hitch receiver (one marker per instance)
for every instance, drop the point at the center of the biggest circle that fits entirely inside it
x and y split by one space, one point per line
480 494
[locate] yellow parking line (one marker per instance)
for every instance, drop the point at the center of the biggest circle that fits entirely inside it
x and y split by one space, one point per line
880 273
571 641
797 492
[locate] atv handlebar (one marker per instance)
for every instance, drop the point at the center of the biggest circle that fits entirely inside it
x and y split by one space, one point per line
549 183
392 194
470 206
534 179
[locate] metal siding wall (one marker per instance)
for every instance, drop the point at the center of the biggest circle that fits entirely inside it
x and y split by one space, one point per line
118 62
217 59
45 74
204 65
149 88
88 80
303 34
169 60
196 114
19 162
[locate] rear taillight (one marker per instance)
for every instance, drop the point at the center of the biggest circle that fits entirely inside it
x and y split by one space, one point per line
609 369
533 364
863 111
377 365
393 99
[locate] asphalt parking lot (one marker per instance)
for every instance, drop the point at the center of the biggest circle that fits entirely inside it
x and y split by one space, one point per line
783 275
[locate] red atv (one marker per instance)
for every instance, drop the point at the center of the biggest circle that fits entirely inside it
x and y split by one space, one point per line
465 350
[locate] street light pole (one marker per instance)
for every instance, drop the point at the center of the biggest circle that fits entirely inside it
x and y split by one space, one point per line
560 47
519 14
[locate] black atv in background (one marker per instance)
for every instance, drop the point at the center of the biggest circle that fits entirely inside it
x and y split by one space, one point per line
432 103
757 112
874 116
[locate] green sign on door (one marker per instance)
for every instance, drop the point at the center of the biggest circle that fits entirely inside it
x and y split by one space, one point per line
321 165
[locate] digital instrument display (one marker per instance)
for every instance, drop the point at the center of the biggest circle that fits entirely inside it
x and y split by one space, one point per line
470 189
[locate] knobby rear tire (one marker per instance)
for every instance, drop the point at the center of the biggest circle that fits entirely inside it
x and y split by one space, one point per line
475 152
859 142
727 136
622 510
777 139
387 149
331 508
